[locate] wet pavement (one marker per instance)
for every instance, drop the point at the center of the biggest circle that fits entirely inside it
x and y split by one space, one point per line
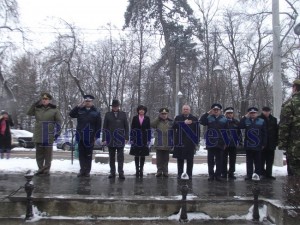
100 185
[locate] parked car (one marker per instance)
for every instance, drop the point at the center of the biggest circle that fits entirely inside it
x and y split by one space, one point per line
22 138
64 141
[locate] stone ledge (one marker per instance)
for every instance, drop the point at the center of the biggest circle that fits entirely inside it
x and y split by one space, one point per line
102 158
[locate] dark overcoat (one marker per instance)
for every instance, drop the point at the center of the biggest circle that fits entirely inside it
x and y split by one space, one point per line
5 140
88 124
140 136
186 137
115 129
272 132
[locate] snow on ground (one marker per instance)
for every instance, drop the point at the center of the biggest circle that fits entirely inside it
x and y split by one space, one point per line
21 165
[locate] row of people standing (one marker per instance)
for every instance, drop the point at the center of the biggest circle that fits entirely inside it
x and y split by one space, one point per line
224 137
185 128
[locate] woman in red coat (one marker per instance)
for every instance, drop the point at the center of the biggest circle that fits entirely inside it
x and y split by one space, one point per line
140 136
5 135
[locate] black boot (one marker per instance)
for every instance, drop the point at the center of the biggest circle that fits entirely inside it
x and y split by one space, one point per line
142 166
137 170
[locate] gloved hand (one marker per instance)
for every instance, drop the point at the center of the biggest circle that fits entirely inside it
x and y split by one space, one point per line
56 136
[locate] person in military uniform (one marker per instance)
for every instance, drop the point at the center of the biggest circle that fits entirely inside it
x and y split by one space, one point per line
215 145
255 139
162 126
87 132
268 152
187 133
115 136
289 126
234 140
46 130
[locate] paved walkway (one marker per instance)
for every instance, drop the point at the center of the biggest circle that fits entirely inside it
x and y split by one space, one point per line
100 185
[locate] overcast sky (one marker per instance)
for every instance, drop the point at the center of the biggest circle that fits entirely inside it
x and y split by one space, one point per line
41 16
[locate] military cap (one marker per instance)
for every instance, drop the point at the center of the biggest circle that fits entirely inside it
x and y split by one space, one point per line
297 81
228 110
252 109
88 97
164 110
266 109
216 106
115 103
46 95
141 107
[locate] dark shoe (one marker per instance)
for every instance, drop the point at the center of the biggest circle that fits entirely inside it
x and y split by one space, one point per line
158 174
121 176
137 174
231 176
211 178
248 178
111 176
44 175
86 175
141 173
224 176
165 174
38 173
80 174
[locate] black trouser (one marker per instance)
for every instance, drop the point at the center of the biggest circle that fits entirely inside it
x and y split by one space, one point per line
267 159
214 157
231 152
189 167
253 157
112 159
85 155
139 163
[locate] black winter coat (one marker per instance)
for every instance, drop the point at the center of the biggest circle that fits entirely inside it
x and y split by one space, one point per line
140 136
272 132
186 137
216 129
88 124
255 133
115 129
234 133
5 140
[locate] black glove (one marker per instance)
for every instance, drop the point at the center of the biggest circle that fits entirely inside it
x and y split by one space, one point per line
56 136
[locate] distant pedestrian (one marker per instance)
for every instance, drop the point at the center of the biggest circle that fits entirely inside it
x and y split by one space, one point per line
87 132
234 140
216 124
163 144
140 137
268 152
5 135
46 130
289 127
187 133
255 140
115 136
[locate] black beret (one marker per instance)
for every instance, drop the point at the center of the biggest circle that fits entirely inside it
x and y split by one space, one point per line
164 110
88 97
3 112
252 109
266 109
229 109
216 106
46 95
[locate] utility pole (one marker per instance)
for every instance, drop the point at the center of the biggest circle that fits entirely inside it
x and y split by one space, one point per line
277 86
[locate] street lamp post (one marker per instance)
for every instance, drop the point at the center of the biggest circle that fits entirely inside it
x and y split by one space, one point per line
178 94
